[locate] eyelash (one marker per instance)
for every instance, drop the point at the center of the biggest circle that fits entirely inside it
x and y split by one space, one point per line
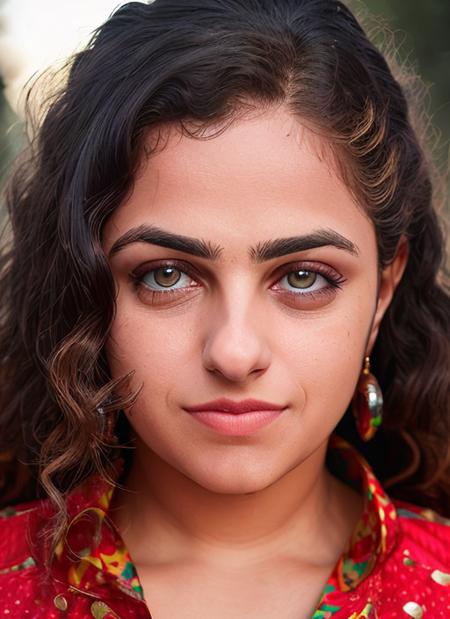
335 281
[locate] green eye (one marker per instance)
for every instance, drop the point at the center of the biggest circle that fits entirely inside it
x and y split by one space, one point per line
301 279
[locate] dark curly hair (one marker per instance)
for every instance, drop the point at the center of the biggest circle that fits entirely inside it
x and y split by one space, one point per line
199 63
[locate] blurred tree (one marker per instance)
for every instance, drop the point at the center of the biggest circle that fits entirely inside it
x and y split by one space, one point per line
5 143
421 31
11 135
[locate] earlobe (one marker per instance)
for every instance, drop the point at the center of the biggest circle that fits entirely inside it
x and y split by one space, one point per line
389 280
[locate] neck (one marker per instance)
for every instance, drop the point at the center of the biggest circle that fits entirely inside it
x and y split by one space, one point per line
164 516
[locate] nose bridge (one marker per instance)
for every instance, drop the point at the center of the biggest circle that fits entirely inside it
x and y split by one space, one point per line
236 338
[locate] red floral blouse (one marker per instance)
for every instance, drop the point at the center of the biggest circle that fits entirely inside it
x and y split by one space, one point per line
396 563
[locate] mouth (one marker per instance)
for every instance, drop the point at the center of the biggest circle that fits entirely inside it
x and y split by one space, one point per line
236 418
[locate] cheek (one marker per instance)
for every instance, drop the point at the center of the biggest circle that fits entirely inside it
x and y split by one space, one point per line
155 348
325 357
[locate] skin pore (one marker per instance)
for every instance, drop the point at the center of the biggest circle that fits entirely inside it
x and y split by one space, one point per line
201 507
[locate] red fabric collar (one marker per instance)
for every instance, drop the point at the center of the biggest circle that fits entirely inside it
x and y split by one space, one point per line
93 550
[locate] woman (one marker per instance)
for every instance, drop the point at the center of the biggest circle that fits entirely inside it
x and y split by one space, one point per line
224 248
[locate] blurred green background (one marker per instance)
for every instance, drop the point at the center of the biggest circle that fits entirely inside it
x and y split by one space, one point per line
421 31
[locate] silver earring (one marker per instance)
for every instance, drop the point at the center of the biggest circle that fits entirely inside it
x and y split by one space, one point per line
107 424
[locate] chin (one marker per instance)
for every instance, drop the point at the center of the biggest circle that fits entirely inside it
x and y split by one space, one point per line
233 481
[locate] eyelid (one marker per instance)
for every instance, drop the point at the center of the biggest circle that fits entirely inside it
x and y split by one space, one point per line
191 270
153 265
309 265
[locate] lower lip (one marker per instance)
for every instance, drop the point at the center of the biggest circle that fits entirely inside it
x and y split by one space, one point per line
236 425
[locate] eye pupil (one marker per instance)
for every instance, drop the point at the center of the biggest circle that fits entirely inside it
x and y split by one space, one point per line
302 279
167 276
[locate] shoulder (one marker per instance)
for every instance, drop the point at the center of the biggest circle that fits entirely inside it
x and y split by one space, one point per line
22 574
425 533
414 578
20 525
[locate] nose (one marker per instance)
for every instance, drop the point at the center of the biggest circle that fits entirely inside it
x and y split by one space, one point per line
236 343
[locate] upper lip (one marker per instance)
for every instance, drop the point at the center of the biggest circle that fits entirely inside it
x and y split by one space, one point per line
229 406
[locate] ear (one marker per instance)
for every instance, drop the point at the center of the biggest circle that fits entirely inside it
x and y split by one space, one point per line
389 279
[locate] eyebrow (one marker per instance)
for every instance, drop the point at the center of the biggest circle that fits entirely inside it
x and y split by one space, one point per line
261 252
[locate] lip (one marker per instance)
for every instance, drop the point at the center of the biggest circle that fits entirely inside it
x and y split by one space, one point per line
236 418
236 425
225 405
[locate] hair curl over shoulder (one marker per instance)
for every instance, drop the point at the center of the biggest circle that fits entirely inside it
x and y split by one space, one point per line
200 63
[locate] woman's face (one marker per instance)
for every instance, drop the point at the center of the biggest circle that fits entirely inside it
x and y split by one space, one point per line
288 323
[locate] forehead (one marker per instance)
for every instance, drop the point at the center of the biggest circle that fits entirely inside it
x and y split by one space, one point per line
263 176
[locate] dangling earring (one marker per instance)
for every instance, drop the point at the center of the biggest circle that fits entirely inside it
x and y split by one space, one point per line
367 403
